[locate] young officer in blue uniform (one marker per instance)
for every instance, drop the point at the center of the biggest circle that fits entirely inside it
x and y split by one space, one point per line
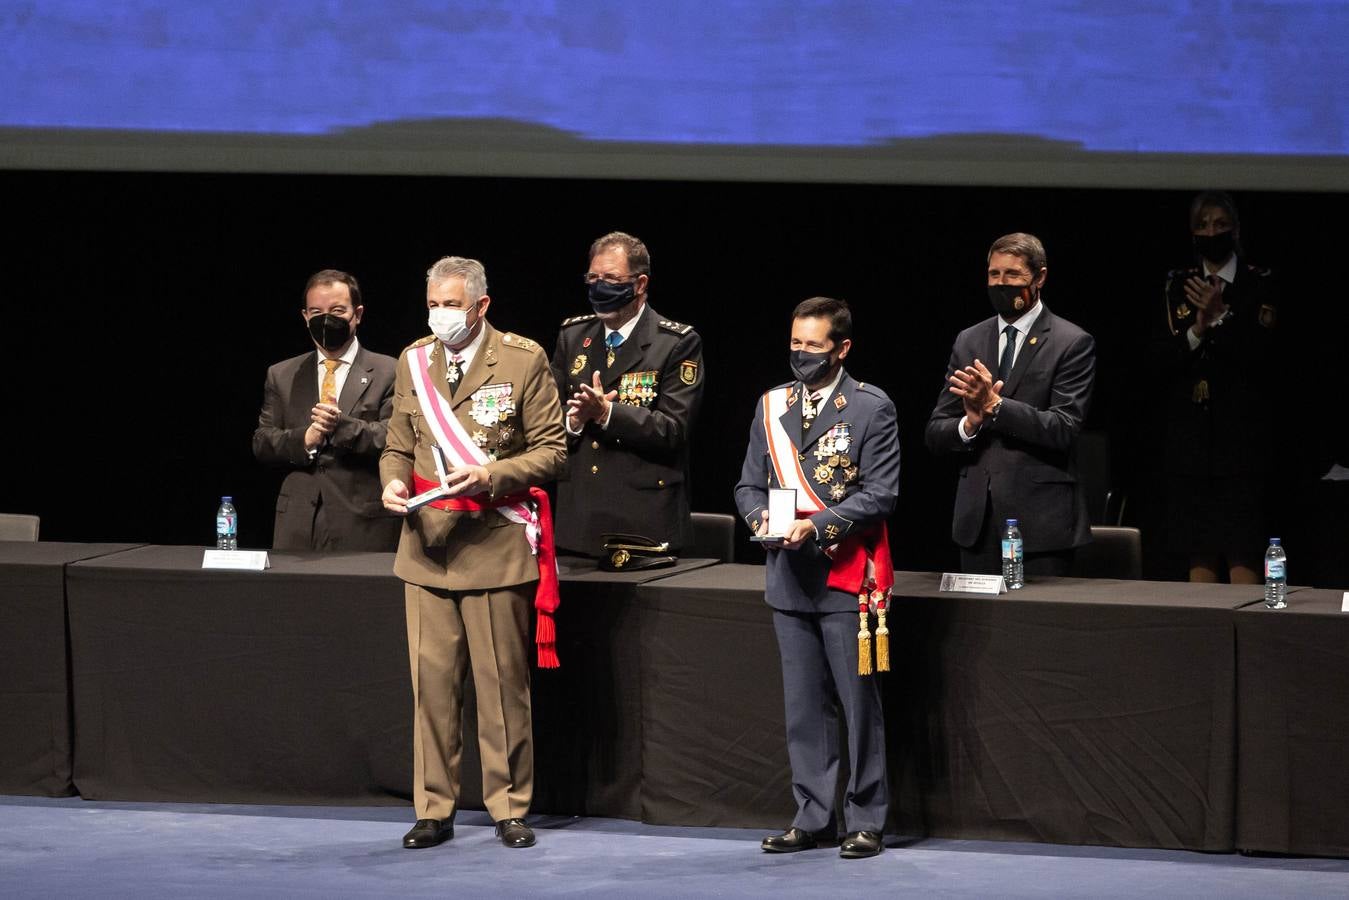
835 441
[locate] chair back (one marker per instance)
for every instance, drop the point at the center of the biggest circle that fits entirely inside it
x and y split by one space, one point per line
1114 552
713 537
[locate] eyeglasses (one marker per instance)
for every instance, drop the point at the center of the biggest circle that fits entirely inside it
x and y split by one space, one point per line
591 278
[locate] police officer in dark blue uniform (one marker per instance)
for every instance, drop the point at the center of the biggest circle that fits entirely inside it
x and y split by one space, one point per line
631 381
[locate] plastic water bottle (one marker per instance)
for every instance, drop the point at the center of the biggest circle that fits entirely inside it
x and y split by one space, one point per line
226 525
1013 566
1276 575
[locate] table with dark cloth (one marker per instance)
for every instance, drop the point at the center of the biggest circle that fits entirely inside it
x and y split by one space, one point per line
1075 711
291 685
35 723
1293 731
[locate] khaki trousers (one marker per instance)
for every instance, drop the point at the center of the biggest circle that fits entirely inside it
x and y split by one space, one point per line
448 630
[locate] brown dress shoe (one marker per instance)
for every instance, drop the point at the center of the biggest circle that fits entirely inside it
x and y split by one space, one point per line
428 833
515 833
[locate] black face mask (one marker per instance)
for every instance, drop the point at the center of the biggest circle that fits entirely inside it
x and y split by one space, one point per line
811 368
1215 248
1011 301
607 298
329 331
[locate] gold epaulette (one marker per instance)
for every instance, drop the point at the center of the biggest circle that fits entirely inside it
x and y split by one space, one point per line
420 342
576 320
511 339
676 327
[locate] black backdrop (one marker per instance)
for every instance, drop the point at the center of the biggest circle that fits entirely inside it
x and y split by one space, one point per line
143 309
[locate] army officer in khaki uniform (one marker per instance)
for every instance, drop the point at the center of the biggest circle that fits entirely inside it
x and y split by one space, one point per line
466 560
632 381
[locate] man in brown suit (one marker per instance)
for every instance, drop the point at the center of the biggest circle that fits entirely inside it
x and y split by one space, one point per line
466 561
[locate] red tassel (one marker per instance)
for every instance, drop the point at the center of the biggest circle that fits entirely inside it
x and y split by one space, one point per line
545 638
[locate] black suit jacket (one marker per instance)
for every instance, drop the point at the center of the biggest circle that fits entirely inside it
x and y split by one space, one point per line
1024 461
632 477
343 478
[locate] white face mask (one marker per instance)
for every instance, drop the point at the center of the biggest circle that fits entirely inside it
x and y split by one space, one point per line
450 325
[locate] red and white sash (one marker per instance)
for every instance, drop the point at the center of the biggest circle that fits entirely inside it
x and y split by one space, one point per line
861 562
782 453
454 439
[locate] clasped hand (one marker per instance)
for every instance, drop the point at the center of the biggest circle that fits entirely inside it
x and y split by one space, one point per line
590 403
977 390
1206 296
323 419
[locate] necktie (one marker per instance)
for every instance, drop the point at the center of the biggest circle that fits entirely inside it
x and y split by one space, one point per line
808 409
454 371
328 390
612 342
1008 353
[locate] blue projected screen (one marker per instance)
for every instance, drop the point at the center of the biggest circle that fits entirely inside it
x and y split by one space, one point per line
1084 92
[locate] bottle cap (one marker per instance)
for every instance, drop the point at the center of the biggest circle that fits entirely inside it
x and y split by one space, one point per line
1273 542
226 499
1011 522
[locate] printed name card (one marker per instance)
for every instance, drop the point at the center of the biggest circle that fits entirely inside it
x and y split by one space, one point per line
1344 602
964 583
245 560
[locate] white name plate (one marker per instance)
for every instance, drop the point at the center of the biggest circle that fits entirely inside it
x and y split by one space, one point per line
246 560
1344 602
963 583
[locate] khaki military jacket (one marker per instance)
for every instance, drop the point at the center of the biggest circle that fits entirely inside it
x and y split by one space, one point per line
507 402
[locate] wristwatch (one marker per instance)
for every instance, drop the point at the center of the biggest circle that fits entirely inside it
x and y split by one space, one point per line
992 414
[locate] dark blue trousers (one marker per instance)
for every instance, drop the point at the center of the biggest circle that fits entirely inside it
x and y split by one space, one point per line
819 676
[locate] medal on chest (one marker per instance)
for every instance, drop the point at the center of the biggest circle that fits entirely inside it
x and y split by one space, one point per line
492 403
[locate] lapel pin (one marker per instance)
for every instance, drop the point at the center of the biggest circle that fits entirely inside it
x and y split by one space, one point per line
840 401
1033 340
365 380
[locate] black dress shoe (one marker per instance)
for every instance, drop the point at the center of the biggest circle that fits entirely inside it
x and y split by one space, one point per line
428 833
790 841
515 833
861 844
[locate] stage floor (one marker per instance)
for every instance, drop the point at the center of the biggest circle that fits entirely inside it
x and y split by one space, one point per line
78 848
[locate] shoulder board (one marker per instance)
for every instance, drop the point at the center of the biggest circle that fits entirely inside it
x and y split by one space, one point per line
866 388
576 320
421 342
511 339
676 327
1258 271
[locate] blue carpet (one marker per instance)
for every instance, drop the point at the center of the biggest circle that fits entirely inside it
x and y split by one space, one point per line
74 848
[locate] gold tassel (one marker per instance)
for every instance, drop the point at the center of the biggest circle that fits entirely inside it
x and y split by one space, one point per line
882 640
863 642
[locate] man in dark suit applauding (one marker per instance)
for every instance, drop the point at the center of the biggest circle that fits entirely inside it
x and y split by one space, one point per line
833 442
1018 387
324 416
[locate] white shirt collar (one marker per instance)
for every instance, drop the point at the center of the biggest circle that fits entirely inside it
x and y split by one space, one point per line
1227 273
348 356
1024 323
628 326
467 353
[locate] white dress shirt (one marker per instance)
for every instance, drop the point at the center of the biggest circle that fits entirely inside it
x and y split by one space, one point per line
1023 327
340 373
